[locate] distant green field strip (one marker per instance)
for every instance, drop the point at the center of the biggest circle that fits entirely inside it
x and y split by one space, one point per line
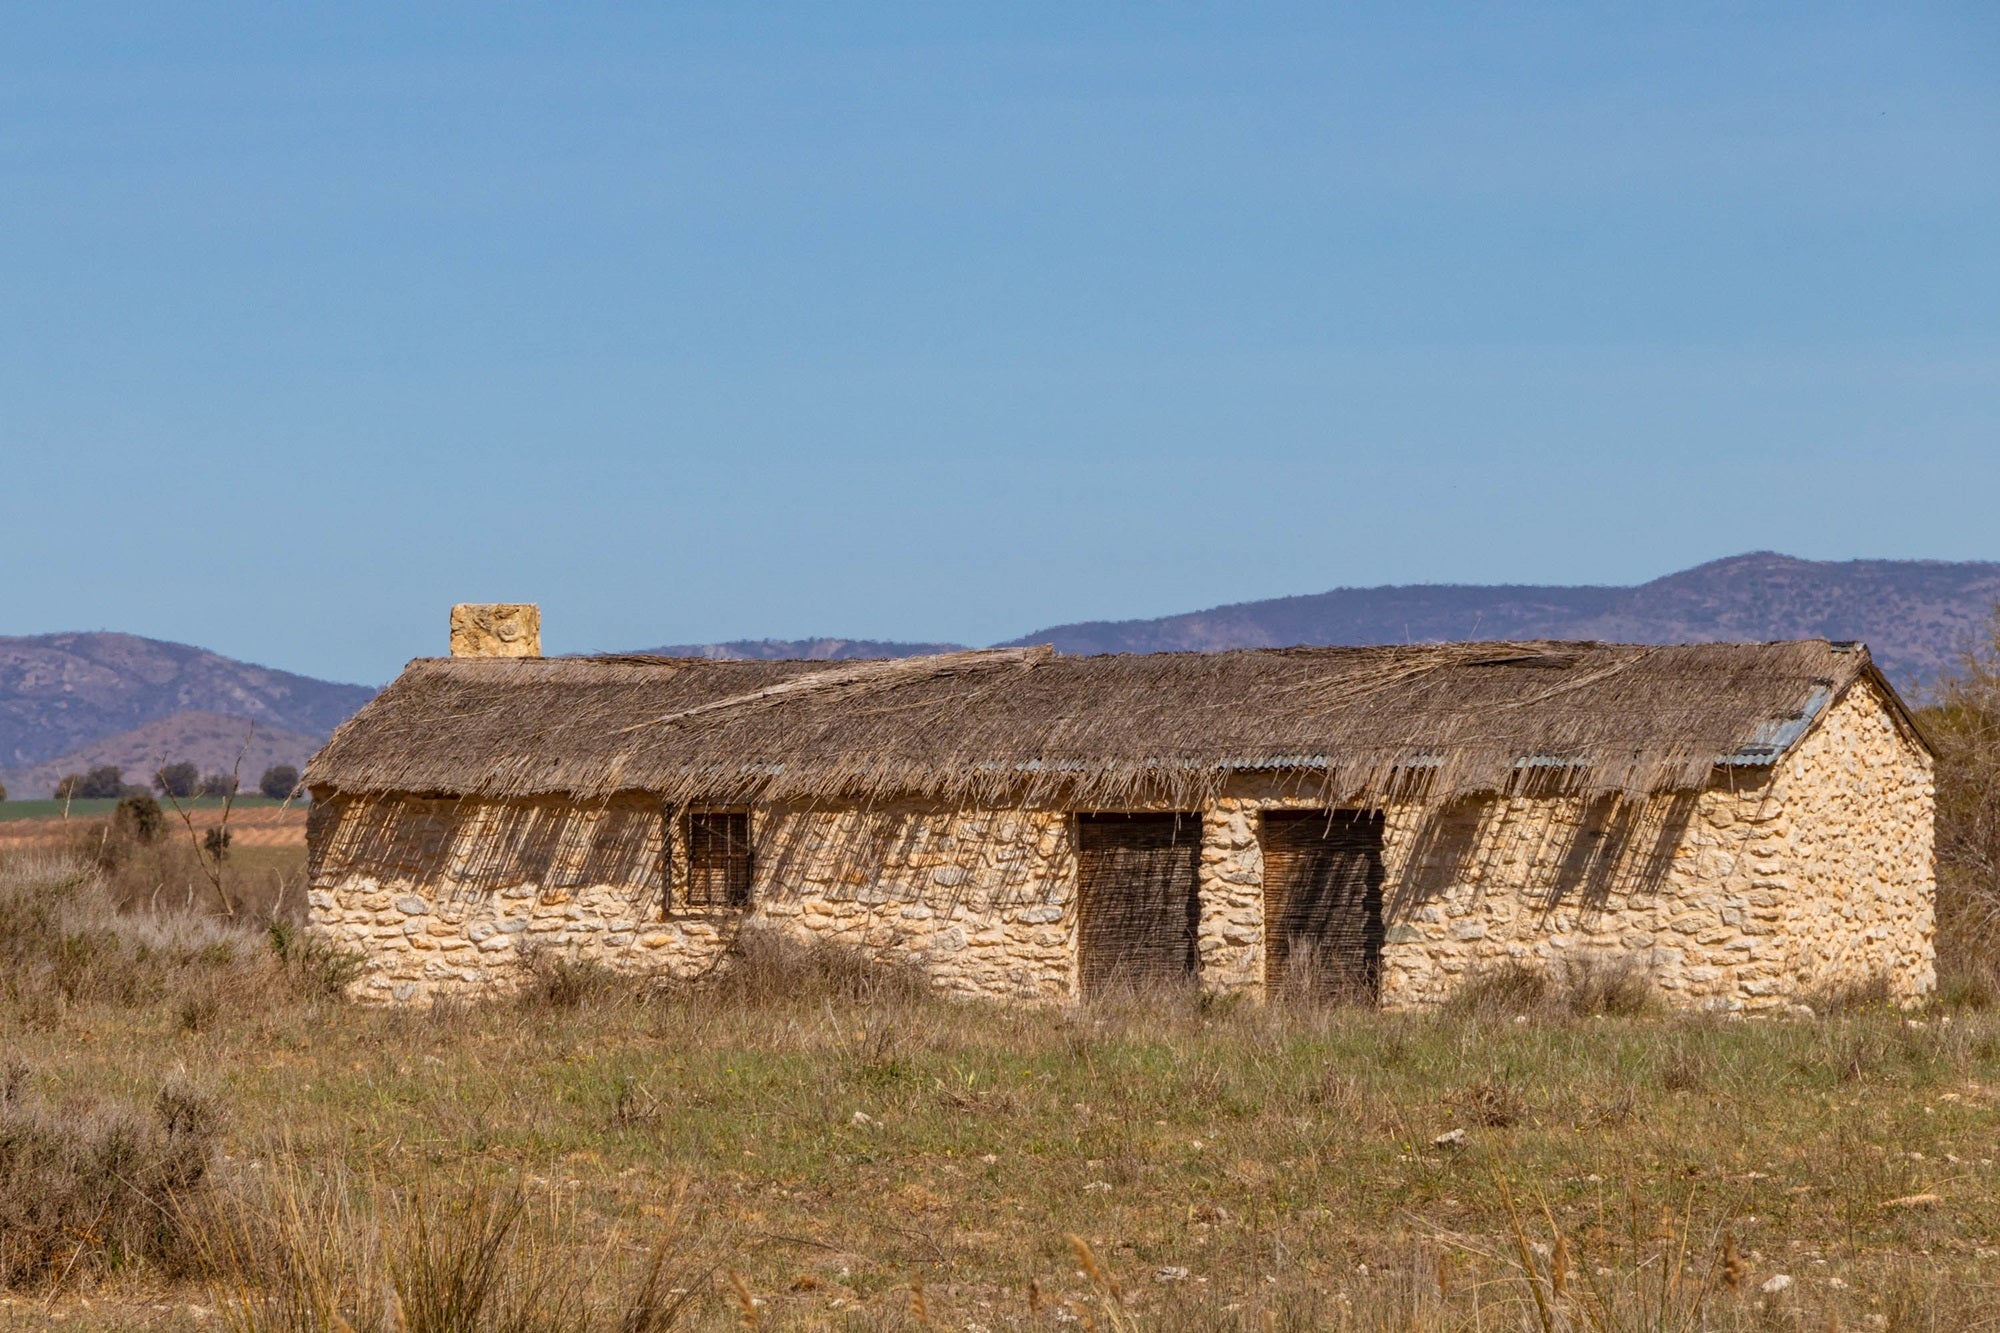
94 808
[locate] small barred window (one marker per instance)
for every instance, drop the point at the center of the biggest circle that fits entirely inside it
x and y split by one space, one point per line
718 860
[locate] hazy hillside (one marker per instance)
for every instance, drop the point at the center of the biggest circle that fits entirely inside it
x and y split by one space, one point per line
60 692
810 650
1915 614
210 741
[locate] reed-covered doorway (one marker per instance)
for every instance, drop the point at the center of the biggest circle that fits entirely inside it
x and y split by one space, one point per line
1138 901
1323 904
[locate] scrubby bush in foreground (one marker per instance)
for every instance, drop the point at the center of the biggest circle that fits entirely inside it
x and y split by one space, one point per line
90 1188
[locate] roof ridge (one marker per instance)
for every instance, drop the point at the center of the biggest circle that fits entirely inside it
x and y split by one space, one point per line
862 671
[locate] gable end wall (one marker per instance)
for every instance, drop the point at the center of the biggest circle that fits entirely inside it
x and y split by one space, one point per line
1860 873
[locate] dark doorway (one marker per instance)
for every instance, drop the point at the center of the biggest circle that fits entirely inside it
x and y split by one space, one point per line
1138 901
1323 904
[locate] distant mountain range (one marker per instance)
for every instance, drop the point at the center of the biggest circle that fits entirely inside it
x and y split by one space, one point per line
70 701
1916 615
65 697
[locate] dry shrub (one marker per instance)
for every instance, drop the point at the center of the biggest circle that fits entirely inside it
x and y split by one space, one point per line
1968 983
767 966
1500 990
1963 724
556 981
1852 1052
316 967
1871 994
84 1190
1608 984
1587 985
65 941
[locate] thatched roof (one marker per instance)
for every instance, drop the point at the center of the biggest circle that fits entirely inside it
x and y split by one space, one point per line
1028 725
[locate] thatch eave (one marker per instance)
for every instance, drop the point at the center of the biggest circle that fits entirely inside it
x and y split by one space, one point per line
1032 725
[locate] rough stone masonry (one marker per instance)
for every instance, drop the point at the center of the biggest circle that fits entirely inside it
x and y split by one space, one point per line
1765 886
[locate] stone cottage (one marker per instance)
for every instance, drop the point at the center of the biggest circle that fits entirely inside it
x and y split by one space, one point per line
1742 822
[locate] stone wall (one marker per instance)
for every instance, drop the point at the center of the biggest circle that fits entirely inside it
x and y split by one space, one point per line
1861 896
1752 894
1747 895
980 900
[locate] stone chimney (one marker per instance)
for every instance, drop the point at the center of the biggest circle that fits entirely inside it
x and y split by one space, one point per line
496 629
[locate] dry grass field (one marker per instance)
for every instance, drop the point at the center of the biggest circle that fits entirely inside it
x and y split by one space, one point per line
195 1135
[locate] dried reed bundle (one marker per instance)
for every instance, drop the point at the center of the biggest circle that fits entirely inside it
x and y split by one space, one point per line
1025 727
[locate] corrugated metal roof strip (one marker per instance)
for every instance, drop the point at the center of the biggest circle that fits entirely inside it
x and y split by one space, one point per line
1778 735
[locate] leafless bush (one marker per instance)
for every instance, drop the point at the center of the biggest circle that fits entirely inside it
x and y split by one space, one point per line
84 1189
149 862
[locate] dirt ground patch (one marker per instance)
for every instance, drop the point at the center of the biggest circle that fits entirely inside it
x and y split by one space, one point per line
257 826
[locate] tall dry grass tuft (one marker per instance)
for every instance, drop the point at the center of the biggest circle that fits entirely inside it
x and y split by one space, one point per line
1110 1293
309 1251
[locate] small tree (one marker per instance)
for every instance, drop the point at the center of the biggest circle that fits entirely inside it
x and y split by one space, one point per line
105 782
3 791
218 784
1964 725
140 817
279 781
68 786
178 780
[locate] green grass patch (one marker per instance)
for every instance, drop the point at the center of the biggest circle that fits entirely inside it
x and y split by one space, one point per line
98 809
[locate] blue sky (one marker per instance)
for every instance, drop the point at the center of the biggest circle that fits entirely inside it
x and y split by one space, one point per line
948 322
